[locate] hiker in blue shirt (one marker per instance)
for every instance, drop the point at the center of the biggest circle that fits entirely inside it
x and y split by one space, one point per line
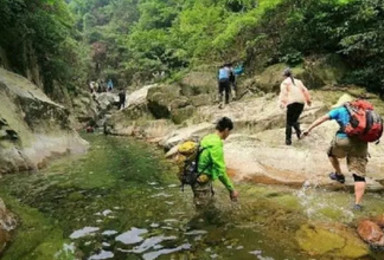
225 73
110 85
354 149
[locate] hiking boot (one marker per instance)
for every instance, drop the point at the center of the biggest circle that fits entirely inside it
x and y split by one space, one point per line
337 177
288 142
357 207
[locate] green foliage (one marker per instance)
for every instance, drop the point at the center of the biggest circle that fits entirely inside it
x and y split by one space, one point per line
39 33
131 40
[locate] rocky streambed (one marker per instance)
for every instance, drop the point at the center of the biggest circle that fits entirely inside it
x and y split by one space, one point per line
122 201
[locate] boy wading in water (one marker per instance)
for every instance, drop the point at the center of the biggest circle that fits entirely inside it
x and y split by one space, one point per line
293 96
354 149
212 166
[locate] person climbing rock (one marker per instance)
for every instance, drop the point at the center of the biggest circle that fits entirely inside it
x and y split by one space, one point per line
224 76
293 96
122 99
343 145
110 85
237 71
211 165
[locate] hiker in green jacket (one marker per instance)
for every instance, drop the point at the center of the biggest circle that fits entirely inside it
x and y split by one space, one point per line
212 166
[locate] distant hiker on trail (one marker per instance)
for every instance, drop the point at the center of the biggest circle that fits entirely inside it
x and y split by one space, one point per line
237 71
211 164
293 96
351 140
110 85
224 76
92 87
121 99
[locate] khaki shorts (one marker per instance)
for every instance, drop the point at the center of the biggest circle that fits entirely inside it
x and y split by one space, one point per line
202 194
354 149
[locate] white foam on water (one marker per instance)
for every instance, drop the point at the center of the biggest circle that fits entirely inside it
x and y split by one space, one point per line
83 232
256 252
161 194
155 225
151 242
102 255
132 236
155 254
106 212
67 249
105 244
109 232
196 232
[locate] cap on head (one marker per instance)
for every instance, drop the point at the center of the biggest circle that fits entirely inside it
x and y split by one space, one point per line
343 100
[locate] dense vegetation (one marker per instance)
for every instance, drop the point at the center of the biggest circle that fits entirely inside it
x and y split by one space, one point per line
131 40
39 32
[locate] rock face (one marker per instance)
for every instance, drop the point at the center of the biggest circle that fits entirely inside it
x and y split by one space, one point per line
255 151
33 128
7 224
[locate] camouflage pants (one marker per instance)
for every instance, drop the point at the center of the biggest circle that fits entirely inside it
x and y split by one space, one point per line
202 194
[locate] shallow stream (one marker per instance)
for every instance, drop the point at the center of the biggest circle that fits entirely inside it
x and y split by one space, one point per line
122 201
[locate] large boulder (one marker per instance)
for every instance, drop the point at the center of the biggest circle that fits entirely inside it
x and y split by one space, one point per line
180 115
166 101
338 241
371 233
330 69
197 83
106 100
201 100
160 99
270 79
84 107
138 97
34 128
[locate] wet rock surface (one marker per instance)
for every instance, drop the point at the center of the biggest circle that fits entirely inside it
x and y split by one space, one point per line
33 128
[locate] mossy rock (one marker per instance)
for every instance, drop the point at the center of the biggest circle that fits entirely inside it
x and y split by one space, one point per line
326 240
182 114
270 79
196 83
159 100
330 69
201 100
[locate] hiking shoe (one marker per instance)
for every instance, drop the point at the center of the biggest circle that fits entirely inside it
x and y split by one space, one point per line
337 177
288 142
357 207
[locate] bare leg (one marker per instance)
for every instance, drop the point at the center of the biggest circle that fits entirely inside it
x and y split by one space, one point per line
359 191
335 163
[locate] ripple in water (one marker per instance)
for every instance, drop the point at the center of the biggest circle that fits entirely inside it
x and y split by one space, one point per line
83 232
102 255
132 236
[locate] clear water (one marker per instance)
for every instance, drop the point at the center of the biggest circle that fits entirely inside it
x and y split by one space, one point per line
122 201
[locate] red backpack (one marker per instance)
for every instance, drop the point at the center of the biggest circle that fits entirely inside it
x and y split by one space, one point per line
365 122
